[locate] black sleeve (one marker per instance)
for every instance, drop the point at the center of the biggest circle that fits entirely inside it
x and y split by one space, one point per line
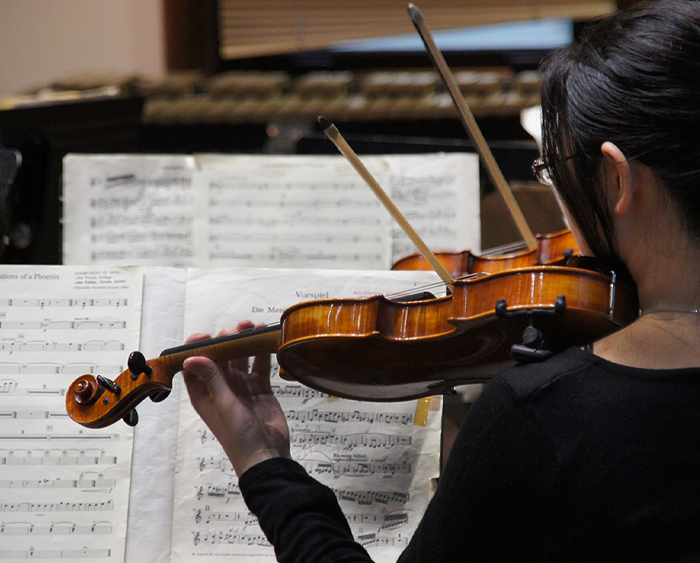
300 516
488 506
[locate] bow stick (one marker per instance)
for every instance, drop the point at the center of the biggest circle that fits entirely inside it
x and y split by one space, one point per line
471 126
334 135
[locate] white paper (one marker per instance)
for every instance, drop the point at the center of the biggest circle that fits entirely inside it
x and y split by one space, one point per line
128 209
380 463
440 199
64 488
290 212
531 120
264 211
155 437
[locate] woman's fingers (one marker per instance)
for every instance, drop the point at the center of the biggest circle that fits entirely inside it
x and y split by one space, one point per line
239 364
197 337
261 367
234 375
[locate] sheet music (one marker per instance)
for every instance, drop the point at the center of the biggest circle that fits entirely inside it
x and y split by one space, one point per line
379 458
128 210
263 211
290 212
64 489
440 199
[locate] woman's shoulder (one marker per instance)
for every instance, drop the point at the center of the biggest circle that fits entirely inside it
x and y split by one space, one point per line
581 368
565 394
527 378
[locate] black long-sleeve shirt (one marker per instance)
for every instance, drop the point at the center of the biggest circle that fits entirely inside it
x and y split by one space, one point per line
574 459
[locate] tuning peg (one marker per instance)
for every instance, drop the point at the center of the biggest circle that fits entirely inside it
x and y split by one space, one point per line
160 396
109 384
131 418
137 365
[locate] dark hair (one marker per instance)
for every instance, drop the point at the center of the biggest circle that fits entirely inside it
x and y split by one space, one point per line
633 79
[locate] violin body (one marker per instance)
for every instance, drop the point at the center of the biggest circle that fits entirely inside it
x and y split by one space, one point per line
380 350
377 349
552 249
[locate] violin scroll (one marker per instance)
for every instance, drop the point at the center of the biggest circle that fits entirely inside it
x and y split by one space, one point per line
96 401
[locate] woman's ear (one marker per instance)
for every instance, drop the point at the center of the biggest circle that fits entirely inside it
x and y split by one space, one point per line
618 176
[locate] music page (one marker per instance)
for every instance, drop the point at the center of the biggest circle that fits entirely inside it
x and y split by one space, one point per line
128 210
290 212
440 199
64 488
380 459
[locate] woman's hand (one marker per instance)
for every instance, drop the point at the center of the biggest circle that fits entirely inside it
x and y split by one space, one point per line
238 405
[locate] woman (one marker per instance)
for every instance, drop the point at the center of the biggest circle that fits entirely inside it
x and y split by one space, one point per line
593 455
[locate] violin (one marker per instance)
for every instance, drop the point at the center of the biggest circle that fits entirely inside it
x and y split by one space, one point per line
552 249
381 349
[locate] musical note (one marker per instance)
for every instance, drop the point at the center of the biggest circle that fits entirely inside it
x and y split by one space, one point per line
385 521
294 256
56 457
63 325
42 346
217 537
291 223
368 498
80 483
337 417
296 392
357 468
209 516
305 439
84 553
373 540
31 415
12 387
55 529
185 211
354 468
76 303
361 498
57 507
44 368
25 436
222 464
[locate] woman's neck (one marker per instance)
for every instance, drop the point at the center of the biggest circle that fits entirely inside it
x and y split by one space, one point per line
667 334
657 340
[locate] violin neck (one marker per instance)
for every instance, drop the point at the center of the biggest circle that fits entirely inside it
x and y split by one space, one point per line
264 340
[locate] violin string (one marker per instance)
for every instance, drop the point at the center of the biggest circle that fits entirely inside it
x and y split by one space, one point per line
675 311
508 248
428 287
413 290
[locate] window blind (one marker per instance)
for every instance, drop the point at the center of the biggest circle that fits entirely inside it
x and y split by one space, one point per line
250 28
